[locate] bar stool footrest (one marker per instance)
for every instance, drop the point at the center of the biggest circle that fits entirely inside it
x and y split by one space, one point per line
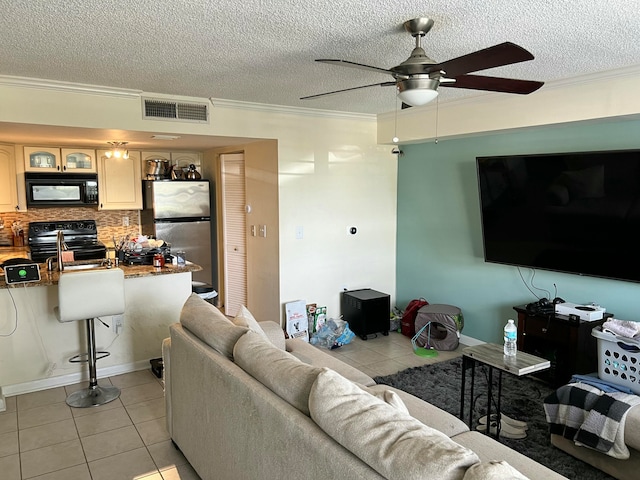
84 357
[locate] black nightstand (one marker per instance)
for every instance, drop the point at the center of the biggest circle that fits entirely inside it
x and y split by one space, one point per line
568 344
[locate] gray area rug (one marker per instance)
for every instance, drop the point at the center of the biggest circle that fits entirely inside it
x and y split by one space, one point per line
522 399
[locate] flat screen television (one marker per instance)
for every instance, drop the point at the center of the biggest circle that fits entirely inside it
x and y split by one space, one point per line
569 212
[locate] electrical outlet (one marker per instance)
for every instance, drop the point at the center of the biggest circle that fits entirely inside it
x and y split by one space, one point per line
125 221
117 324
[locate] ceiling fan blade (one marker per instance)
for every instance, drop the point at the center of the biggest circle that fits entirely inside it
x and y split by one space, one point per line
346 63
506 53
494 84
383 84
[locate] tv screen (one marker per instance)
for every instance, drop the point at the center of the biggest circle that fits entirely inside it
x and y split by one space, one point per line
569 212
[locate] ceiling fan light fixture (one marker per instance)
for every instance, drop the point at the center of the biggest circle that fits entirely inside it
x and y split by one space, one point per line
417 91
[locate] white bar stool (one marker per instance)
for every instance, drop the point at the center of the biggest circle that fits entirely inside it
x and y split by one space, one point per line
85 295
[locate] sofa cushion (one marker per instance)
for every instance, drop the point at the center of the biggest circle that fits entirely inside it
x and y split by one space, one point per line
279 371
491 450
427 413
209 324
312 355
493 471
392 442
245 318
390 397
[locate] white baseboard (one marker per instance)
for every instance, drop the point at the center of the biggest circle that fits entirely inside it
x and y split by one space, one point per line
70 379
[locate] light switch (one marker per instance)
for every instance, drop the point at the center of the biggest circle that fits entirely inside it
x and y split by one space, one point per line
262 230
253 230
299 232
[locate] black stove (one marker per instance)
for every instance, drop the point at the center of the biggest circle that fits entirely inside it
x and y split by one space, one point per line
81 236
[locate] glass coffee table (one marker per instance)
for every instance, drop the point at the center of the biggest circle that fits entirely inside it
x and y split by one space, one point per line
493 356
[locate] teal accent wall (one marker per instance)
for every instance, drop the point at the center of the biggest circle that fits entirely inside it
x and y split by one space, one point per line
439 247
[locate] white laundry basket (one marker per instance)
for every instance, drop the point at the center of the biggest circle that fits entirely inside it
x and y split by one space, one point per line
618 359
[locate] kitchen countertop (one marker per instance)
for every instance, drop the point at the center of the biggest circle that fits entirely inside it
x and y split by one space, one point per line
7 253
51 278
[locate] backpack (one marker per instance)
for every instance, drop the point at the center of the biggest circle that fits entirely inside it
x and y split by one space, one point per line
407 325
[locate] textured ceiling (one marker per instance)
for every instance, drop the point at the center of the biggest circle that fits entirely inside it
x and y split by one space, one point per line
263 50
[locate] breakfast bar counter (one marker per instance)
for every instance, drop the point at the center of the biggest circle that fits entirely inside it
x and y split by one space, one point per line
35 346
130 271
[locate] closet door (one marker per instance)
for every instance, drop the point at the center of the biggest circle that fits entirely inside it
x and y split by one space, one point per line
234 231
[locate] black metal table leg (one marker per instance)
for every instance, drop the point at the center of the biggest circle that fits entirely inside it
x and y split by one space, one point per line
464 379
489 393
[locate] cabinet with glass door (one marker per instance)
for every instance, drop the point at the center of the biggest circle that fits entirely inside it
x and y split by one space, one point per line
65 160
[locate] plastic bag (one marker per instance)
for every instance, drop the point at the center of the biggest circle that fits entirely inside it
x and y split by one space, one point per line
333 334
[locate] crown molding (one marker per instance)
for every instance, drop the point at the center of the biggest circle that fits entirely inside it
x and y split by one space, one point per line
311 112
42 84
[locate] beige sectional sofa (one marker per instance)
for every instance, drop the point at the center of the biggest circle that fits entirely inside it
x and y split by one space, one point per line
244 403
628 469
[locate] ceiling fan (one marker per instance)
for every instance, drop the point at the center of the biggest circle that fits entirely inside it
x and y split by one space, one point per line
417 78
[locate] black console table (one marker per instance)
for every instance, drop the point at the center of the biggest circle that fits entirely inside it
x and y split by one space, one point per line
568 344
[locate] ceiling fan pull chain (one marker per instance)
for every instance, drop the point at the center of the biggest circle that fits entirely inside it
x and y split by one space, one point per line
437 111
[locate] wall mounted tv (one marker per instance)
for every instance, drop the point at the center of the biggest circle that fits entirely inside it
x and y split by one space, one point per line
569 212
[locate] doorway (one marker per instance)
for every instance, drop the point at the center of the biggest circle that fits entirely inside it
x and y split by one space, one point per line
234 228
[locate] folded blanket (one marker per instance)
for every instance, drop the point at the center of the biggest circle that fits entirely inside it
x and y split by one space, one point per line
590 417
604 385
624 328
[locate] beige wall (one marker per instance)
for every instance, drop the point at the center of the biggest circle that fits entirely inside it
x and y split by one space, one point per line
261 181
331 175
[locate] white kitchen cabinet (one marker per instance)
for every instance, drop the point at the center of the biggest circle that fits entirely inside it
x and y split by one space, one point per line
184 159
42 159
65 160
79 160
119 182
8 180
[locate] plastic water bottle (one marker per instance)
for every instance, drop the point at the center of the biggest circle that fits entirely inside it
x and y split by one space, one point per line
510 339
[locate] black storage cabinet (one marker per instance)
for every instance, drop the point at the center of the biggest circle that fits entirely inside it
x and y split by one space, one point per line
366 311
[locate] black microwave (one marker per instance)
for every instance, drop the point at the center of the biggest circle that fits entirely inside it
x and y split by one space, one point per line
61 189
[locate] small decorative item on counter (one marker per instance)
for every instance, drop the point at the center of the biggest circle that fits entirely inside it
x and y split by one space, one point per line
158 260
18 234
181 258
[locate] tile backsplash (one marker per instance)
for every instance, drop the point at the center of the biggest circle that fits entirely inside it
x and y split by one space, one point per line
109 222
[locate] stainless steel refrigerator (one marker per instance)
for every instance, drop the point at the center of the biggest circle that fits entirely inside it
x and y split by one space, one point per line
179 212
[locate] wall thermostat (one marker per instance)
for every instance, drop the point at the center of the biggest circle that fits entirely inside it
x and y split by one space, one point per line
22 273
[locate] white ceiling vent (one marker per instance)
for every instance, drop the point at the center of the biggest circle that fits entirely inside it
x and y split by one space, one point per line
154 109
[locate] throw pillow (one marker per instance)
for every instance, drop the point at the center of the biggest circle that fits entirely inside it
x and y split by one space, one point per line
396 445
209 324
493 471
387 396
244 318
276 369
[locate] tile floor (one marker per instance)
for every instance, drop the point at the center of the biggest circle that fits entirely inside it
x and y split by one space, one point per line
41 438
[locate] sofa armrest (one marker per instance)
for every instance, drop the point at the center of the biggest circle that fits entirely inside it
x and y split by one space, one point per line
274 333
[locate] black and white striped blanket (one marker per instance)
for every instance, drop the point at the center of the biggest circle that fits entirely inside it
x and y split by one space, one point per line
590 417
